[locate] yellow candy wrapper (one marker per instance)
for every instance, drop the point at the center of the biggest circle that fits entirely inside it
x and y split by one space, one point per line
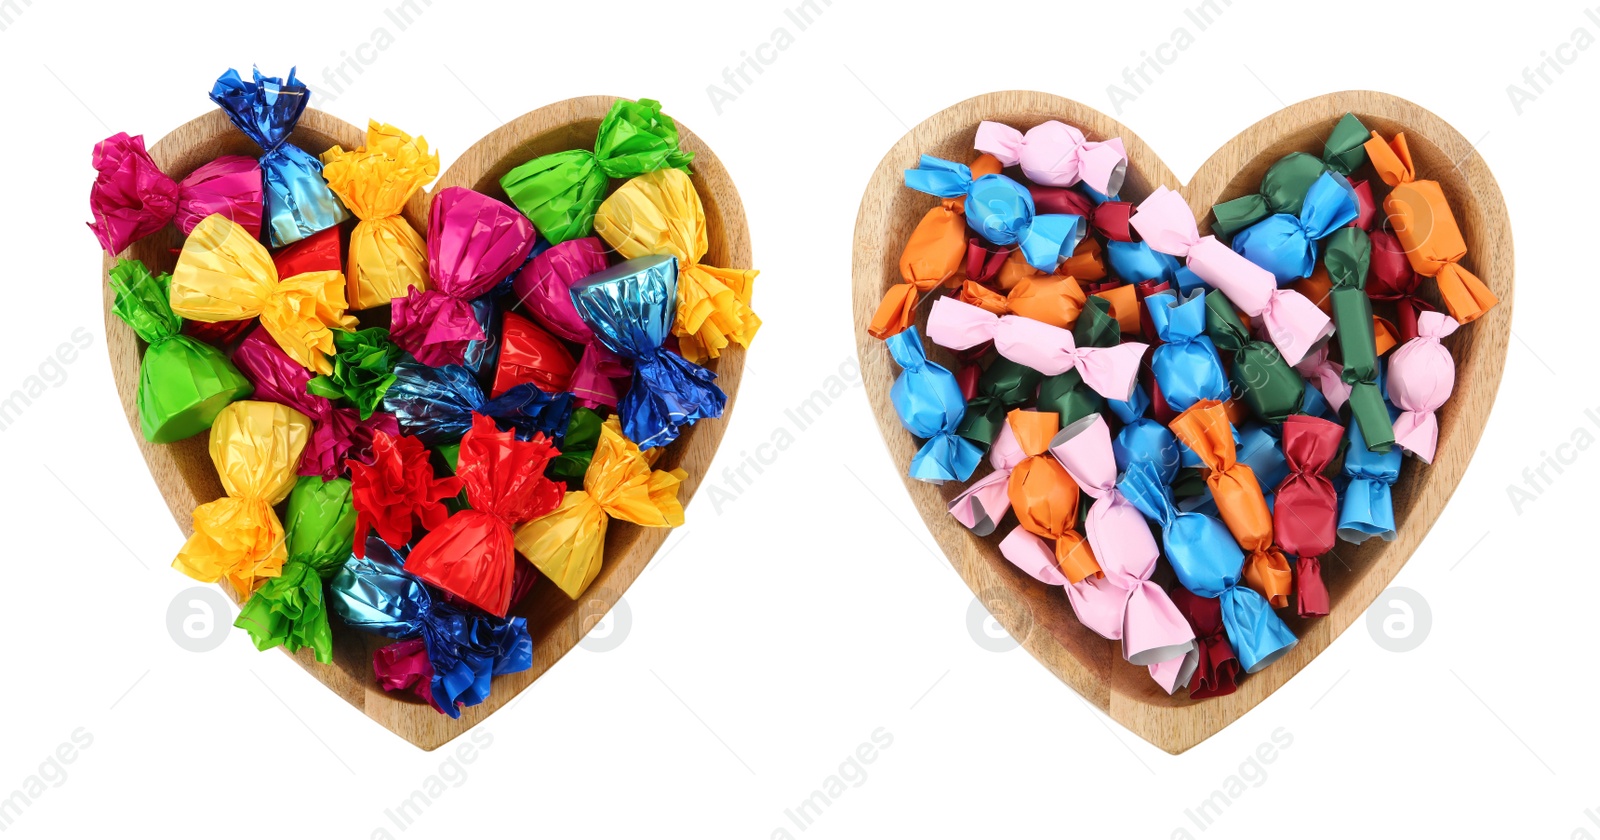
567 544
387 256
660 213
256 448
224 274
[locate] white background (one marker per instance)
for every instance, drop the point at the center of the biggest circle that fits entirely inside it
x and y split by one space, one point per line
776 635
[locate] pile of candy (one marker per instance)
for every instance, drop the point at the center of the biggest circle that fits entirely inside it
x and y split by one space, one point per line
1225 404
420 407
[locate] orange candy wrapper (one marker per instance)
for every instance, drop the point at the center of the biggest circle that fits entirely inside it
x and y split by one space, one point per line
1045 499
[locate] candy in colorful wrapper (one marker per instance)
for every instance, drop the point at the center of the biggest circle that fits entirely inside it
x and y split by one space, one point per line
1347 256
1001 211
1209 563
1055 154
1284 187
363 363
470 555
930 406
984 503
1269 387
289 609
1137 262
1394 280
1066 393
1217 673
1293 323
1045 499
1367 509
224 274
1053 300
1145 441
436 404
567 544
578 443
132 198
337 433
1325 376
1305 510
544 286
403 667
560 192
933 256
1287 245
1237 491
474 242
1124 604
631 308
1421 377
298 202
374 182
528 354
1051 350
184 383
397 492
1427 229
374 594
660 214
1060 201
255 447
1002 386
1186 365
1110 219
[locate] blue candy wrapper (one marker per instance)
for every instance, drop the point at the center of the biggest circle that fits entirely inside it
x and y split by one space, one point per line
930 405
436 404
1287 245
1002 211
1186 363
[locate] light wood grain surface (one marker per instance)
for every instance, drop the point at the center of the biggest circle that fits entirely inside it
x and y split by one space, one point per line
186 477
1039 615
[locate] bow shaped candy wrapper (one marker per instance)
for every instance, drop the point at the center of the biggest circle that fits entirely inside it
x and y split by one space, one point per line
224 274
1124 604
1186 366
660 214
1287 245
578 443
375 181
1427 229
363 363
1051 350
984 503
1055 154
1394 280
1293 323
132 198
1208 563
1421 377
1305 510
465 650
1325 376
1001 211
568 543
1002 386
560 192
436 404
1348 257
631 308
289 609
544 285
1286 183
1269 387
930 406
1050 299
528 354
337 433
255 447
470 555
298 201
1066 393
1217 672
184 383
1046 503
474 242
1205 429
933 257
1368 507
397 492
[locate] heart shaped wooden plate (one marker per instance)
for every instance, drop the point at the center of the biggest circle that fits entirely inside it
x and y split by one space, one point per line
1039 615
186 477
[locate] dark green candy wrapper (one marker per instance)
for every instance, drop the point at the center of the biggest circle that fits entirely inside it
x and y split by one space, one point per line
290 609
1270 388
1348 258
1284 187
1002 386
183 381
1065 393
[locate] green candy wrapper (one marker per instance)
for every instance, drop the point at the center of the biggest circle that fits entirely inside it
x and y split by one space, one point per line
1065 393
560 192
1347 255
1270 388
363 369
577 449
290 609
183 381
1002 386
1284 187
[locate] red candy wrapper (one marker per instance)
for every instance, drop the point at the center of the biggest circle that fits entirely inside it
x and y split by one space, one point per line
321 251
1218 670
396 491
1305 512
529 354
